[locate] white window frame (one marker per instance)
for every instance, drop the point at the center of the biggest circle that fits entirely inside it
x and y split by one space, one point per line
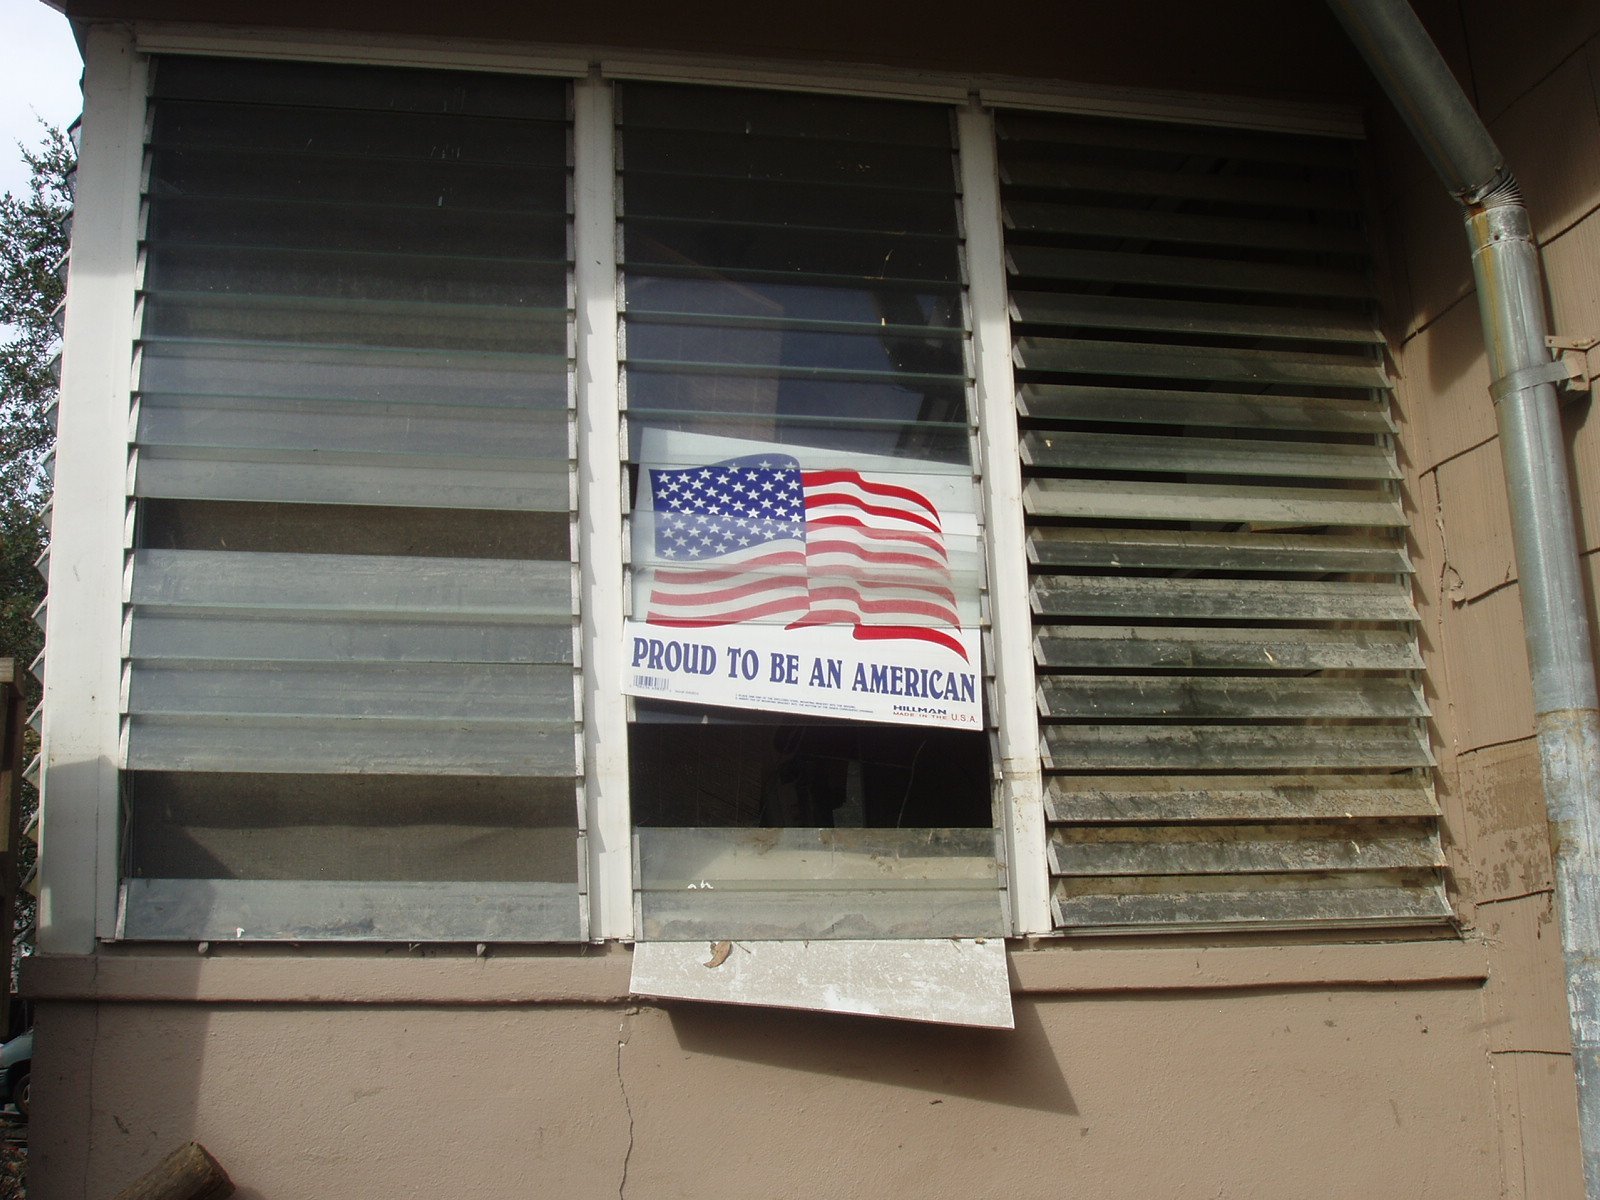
80 835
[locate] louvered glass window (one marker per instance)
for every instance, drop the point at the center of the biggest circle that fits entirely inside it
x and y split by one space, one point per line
795 324
350 688
1233 724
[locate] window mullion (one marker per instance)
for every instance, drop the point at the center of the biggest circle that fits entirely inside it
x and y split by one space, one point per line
1012 620
605 723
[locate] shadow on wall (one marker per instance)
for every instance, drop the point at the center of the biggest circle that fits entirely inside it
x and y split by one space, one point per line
1015 1068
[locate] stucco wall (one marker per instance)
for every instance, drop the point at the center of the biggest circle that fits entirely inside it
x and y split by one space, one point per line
1533 71
1182 1087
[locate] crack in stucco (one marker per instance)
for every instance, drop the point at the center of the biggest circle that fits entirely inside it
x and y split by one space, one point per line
1451 587
627 1105
1544 891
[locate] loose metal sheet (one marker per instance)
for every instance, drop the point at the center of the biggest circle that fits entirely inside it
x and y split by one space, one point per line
950 981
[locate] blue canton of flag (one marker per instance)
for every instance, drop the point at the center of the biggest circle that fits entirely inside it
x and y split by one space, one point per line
741 503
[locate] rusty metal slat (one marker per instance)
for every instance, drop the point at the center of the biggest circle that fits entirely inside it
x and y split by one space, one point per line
1074 450
1175 799
1208 274
1278 907
1213 697
1220 599
1220 364
835 859
1049 130
1238 747
1024 217
260 910
1066 648
1017 171
1119 500
1194 317
694 914
1072 402
1242 849
1181 549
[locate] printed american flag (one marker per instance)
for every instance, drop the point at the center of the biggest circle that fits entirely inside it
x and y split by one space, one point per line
758 538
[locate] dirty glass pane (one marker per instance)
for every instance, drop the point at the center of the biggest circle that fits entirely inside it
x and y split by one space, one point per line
794 307
351 637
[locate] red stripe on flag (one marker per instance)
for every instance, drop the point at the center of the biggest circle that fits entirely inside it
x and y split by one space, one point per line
860 528
773 608
895 491
884 633
829 499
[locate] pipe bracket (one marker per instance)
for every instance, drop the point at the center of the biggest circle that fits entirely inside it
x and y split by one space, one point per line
1559 371
1575 352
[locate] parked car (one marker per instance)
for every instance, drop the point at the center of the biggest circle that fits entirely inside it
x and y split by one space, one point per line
16 1069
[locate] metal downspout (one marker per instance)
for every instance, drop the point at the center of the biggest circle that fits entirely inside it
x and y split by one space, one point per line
1505 263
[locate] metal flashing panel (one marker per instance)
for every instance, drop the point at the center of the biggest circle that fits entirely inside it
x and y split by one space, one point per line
949 981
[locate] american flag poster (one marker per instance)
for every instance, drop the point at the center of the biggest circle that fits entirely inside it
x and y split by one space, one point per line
792 579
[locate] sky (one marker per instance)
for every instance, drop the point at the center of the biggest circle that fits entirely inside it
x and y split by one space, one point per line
39 69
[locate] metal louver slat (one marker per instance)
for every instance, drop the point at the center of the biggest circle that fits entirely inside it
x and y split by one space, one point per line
1219 599
1157 224
1187 140
1057 175
1071 402
1211 698
1414 898
1204 456
1235 849
1209 274
1389 747
1232 720
1186 549
1192 317
1139 501
1180 799
1210 363
1111 647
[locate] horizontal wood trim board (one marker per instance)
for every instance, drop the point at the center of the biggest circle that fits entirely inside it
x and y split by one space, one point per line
585 976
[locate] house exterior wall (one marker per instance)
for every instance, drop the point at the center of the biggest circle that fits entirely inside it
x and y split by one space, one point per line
1533 75
1260 1071
1251 1066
